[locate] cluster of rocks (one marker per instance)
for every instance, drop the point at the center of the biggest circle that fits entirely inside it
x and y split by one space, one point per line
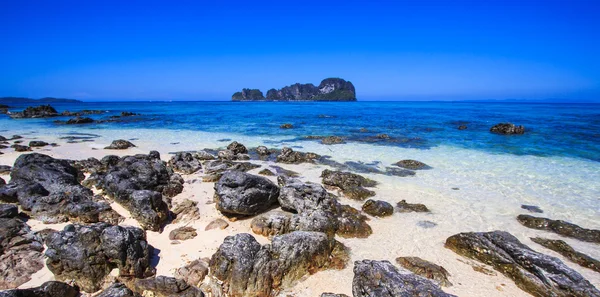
507 129
42 111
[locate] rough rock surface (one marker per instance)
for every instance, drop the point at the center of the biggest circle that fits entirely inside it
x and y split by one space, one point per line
37 143
8 211
185 163
5 169
47 289
378 208
412 164
404 206
163 286
560 227
240 193
568 252
382 279
193 273
217 224
266 172
119 144
20 252
237 148
533 272
330 89
352 185
185 211
118 290
332 140
183 233
242 267
289 156
507 128
87 254
424 268
263 151
42 111
213 170
20 148
79 120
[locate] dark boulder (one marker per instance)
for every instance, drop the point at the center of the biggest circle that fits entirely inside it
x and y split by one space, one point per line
87 254
378 208
185 163
382 279
262 151
240 193
568 252
42 111
5 169
533 272
507 129
37 143
404 206
426 269
237 148
289 156
20 253
332 140
47 289
352 185
20 148
147 207
560 227
119 144
213 170
79 120
8 211
412 164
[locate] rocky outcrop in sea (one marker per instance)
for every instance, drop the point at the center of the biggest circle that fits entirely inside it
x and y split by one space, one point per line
330 89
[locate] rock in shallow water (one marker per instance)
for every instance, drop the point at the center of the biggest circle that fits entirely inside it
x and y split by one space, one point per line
560 227
507 129
404 206
289 156
240 193
382 279
533 272
567 251
412 164
378 208
119 144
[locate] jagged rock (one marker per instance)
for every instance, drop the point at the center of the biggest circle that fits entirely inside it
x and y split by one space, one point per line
332 140
118 290
37 143
568 252
79 120
87 254
163 286
8 211
560 227
119 144
237 148
286 126
147 207
248 94
20 253
50 191
185 163
507 128
378 208
240 193
42 111
533 272
412 164
262 151
404 206
20 148
47 289
532 208
426 269
352 185
242 267
298 196
330 89
186 211
193 273
382 279
213 170
289 156
217 224
183 233
266 172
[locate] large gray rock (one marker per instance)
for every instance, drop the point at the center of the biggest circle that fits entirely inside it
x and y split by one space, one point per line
240 193
47 289
120 144
20 253
382 279
185 163
147 207
87 254
533 272
351 184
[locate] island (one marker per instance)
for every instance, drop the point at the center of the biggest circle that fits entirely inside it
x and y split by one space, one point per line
330 89
23 100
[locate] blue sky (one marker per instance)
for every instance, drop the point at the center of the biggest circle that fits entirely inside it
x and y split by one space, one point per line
390 50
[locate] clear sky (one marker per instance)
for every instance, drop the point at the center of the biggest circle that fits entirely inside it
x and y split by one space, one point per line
390 50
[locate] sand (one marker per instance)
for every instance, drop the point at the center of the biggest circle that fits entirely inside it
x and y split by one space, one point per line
476 206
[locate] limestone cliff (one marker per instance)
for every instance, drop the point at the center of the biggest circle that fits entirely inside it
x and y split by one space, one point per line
330 89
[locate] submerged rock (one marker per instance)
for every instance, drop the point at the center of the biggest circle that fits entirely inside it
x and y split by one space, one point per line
87 254
382 279
240 193
47 289
507 128
568 252
412 164
332 140
532 208
404 206
119 144
426 269
378 208
352 185
533 272
560 227
289 156
20 251
79 120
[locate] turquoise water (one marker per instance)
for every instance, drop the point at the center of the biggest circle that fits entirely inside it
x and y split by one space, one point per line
570 130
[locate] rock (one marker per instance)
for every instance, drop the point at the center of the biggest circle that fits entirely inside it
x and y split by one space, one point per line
117 290
262 151
147 207
332 140
14 137
204 156
533 272
247 95
2 183
20 148
217 224
378 208
266 172
507 128
49 190
20 252
462 127
426 269
42 111
47 289
412 164
79 120
193 273
382 136
119 144
333 295
163 286
237 148
37 143
568 252
272 223
185 163
382 279
560 227
352 185
242 267
426 224
330 89
8 211
289 156
213 170
87 254
286 126
532 208
404 206
240 193
183 233
186 211
5 169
